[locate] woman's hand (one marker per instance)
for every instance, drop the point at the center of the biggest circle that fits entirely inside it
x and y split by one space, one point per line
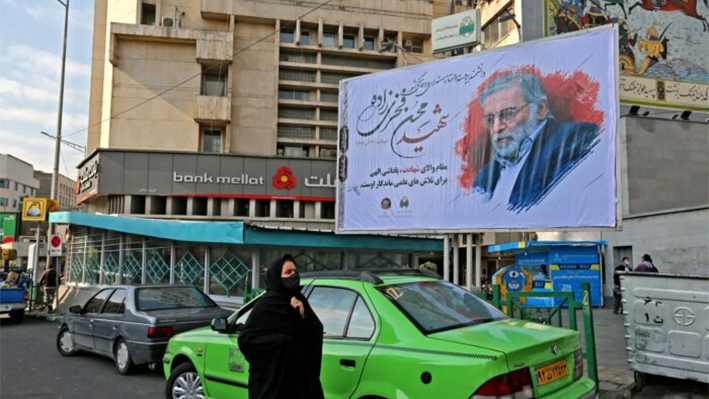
298 305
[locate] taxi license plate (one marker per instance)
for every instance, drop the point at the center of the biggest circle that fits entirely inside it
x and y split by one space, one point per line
552 372
5 308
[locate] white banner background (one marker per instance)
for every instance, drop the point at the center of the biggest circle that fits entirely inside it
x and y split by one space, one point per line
398 165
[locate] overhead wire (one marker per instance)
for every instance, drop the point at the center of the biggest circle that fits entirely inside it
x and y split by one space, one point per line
201 73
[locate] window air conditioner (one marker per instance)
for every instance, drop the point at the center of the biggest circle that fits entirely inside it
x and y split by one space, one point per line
170 22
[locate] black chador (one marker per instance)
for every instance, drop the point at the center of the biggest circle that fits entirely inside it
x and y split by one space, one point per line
284 350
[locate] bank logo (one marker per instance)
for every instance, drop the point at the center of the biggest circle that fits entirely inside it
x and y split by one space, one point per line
284 179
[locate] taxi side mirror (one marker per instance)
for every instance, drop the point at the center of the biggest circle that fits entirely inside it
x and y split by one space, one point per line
220 325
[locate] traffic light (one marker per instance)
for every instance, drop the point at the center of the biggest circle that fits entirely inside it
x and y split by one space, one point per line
9 254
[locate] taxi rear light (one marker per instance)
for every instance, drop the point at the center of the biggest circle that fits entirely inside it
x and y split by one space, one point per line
578 364
26 297
160 332
517 385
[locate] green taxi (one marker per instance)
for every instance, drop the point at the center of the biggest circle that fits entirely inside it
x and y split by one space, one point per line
397 334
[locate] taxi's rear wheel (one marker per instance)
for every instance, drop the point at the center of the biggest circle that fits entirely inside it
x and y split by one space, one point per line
184 383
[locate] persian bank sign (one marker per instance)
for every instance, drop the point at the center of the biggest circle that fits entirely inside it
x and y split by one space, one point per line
515 138
455 31
214 176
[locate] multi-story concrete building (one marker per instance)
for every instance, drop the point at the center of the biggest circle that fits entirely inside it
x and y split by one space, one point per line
66 189
227 111
16 182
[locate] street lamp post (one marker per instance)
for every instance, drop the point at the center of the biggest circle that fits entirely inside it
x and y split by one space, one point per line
58 143
388 45
57 148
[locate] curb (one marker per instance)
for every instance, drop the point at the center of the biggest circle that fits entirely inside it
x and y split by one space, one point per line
624 392
44 316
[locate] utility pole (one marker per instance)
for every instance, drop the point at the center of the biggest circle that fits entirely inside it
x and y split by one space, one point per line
57 148
58 142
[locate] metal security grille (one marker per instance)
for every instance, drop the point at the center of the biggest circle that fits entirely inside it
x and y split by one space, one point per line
93 266
229 272
132 269
316 261
157 268
110 268
188 269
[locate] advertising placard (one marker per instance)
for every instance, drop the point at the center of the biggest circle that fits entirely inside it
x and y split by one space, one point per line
517 138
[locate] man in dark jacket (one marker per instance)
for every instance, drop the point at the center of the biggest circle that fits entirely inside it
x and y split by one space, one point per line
623 267
48 281
646 265
533 152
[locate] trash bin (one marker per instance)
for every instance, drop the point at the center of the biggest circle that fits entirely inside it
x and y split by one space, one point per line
667 325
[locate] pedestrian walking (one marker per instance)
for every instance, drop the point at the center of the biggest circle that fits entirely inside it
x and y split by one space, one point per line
48 282
617 298
646 265
282 339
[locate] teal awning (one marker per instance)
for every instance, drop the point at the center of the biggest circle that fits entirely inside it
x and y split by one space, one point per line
242 233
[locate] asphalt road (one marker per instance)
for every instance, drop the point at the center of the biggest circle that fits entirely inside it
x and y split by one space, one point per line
32 368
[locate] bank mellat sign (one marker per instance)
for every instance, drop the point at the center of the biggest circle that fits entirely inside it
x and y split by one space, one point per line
207 175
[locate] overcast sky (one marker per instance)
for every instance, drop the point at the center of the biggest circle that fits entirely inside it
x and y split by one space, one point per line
30 65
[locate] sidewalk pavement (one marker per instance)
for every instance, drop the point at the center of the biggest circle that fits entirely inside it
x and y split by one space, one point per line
614 374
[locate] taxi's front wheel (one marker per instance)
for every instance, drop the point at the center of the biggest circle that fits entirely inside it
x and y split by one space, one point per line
184 383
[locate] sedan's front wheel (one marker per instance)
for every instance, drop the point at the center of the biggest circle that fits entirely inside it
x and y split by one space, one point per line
65 345
184 383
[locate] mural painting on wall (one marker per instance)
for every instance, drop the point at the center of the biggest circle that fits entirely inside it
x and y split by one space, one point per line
662 46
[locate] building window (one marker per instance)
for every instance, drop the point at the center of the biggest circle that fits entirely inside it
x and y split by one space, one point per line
304 37
17 186
293 94
4 183
329 153
328 133
214 81
329 39
296 113
328 115
300 57
292 151
496 31
3 201
296 132
329 97
211 140
298 76
14 203
368 43
147 15
287 35
333 78
348 41
413 45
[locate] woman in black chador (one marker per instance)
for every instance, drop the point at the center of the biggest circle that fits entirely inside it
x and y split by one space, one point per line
282 339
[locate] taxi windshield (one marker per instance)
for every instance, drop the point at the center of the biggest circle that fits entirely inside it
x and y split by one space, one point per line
435 306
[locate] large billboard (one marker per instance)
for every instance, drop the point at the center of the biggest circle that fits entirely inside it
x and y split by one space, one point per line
663 46
523 137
